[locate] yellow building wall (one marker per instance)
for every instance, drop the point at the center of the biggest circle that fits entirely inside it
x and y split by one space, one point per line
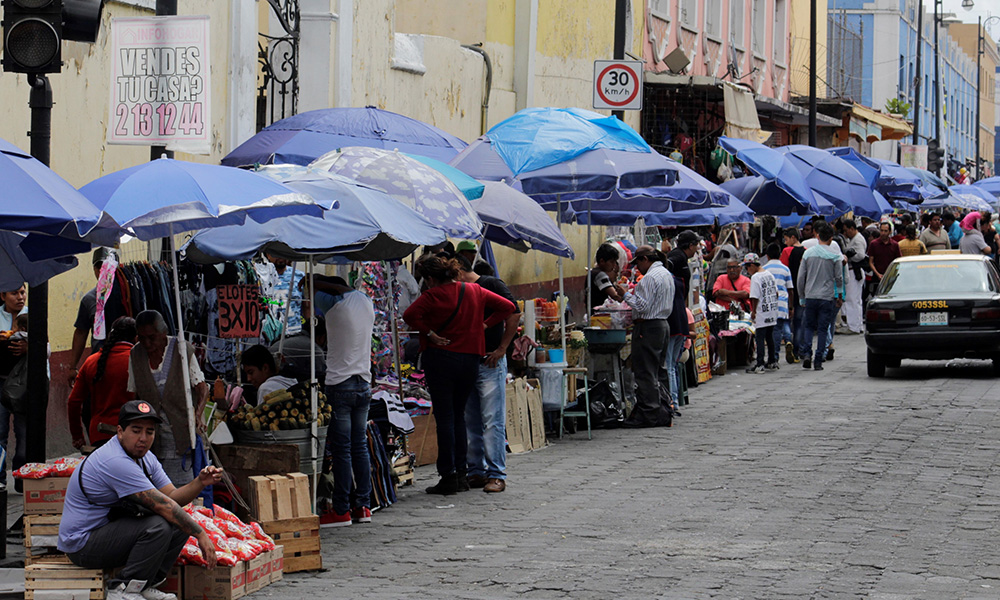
79 125
967 36
799 29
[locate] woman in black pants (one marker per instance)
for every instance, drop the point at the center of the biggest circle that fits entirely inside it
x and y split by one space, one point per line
450 319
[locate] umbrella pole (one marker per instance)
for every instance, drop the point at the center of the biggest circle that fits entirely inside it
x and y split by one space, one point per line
391 279
182 350
288 313
562 292
590 292
312 383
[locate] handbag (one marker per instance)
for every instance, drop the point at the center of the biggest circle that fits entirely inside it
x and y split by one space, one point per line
14 395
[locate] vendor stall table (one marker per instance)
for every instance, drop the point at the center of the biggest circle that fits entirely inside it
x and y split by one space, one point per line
604 347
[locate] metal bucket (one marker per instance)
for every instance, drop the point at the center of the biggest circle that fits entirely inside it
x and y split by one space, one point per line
298 437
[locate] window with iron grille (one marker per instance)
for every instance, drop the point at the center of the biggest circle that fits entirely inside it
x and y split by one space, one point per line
737 24
689 14
757 40
713 19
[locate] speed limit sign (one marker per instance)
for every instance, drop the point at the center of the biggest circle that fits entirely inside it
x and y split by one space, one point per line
618 84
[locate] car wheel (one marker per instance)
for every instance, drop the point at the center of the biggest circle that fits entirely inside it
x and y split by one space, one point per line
893 361
876 365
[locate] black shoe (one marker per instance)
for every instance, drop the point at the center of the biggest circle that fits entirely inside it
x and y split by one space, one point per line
829 354
448 486
463 483
676 413
818 367
807 363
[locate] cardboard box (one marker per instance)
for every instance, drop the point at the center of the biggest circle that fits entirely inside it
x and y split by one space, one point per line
277 563
258 572
221 583
175 582
423 441
536 415
44 496
518 423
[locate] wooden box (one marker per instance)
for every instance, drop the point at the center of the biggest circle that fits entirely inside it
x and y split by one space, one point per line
47 559
279 497
299 540
41 534
277 563
44 496
68 582
221 583
423 441
258 572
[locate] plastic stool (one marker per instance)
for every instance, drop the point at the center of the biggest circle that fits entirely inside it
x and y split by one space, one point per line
563 413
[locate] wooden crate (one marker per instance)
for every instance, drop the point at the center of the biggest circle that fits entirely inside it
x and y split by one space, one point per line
299 541
279 497
69 581
403 471
47 559
38 527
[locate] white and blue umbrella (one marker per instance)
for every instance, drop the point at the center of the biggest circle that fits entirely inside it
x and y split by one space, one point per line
164 197
411 182
990 184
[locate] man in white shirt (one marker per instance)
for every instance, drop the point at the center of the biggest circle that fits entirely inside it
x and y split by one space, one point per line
259 367
350 319
651 302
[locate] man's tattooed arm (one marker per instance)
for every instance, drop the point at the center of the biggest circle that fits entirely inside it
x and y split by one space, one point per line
161 504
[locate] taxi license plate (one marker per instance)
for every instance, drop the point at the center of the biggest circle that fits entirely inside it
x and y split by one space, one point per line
934 318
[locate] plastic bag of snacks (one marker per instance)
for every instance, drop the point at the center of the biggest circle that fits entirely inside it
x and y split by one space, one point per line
232 530
191 554
33 471
263 537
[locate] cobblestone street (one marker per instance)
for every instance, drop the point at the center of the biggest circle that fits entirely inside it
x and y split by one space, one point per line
792 484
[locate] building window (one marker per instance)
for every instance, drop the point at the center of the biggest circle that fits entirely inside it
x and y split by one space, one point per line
757 36
660 9
689 14
902 76
713 19
780 35
737 24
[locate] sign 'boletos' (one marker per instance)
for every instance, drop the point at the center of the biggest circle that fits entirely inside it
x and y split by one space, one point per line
618 84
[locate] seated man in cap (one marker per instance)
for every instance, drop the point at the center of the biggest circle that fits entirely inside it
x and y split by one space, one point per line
122 511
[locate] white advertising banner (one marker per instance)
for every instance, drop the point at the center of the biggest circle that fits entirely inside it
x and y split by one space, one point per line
911 155
160 92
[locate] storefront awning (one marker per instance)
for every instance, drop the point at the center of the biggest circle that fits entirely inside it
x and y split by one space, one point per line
877 126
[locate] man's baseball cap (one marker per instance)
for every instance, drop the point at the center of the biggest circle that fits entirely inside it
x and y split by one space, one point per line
135 410
686 238
642 251
751 259
466 245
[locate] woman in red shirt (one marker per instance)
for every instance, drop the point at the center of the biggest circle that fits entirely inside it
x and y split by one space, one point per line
449 317
103 382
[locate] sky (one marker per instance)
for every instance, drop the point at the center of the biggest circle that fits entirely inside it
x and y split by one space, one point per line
983 8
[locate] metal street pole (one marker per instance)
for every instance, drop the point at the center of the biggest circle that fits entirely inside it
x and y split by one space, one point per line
979 89
937 74
812 73
917 87
40 101
164 8
621 6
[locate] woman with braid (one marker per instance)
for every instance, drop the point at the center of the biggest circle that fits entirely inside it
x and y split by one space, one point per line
103 383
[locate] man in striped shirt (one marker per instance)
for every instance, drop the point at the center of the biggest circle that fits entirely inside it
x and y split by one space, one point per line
651 302
783 277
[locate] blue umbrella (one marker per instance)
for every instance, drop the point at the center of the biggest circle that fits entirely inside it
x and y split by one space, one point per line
469 187
595 174
411 182
930 184
836 180
302 138
897 182
35 198
163 197
773 167
734 212
990 184
515 220
367 224
767 198
17 268
534 138
972 197
868 168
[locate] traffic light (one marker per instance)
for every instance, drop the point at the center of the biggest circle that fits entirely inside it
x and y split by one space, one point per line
33 31
935 157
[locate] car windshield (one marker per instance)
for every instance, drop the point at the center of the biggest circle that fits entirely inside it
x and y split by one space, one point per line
935 277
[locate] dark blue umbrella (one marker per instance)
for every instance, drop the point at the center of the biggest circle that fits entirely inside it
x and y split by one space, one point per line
931 186
773 167
733 212
765 197
990 184
301 139
534 138
868 168
594 175
836 180
17 268
897 183
34 198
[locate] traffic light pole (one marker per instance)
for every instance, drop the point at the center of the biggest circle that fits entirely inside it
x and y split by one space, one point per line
918 80
164 8
40 101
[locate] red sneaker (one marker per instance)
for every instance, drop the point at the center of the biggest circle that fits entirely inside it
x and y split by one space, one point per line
361 514
333 519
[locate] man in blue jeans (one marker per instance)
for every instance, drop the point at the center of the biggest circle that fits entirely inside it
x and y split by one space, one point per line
821 287
486 410
350 318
